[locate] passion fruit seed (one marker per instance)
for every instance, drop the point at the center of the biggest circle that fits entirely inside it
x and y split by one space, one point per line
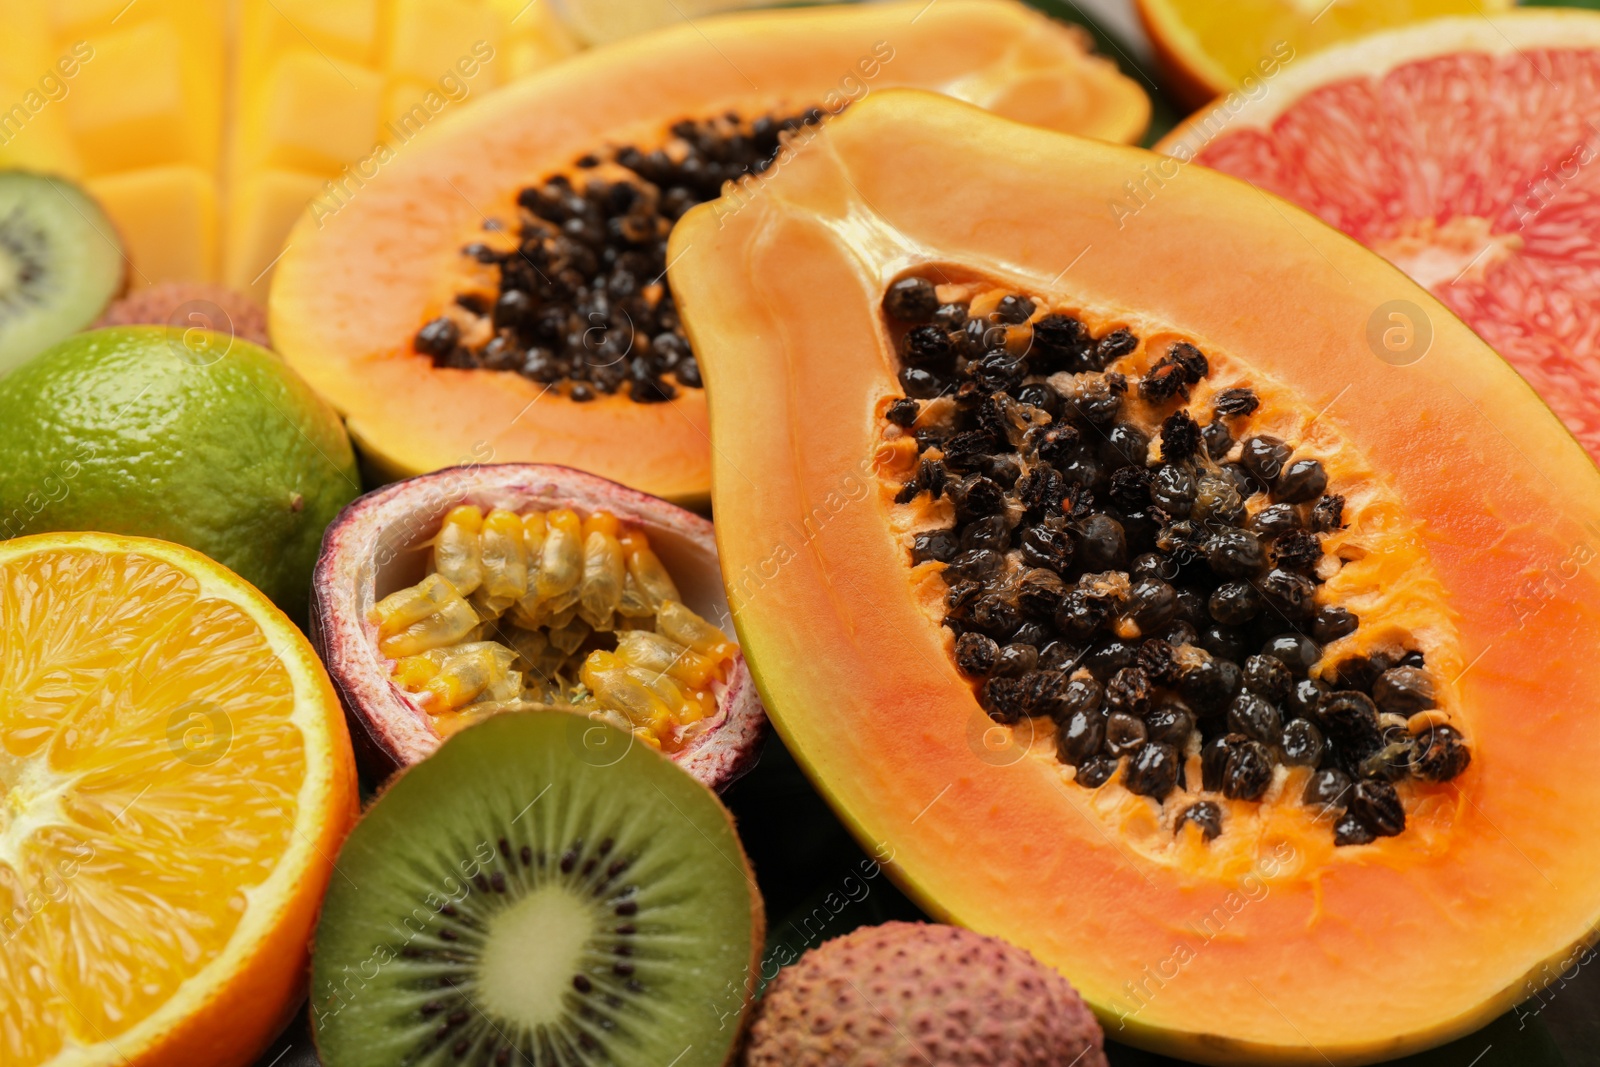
552 608
1112 568
574 294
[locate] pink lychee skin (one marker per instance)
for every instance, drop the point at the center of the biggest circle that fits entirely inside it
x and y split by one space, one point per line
915 994
382 530
187 304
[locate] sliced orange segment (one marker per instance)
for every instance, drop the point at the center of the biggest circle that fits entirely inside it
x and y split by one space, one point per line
175 778
1207 48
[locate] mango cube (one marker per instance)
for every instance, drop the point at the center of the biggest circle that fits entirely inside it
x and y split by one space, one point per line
167 218
265 208
314 114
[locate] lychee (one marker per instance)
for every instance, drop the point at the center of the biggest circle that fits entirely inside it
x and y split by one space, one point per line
914 994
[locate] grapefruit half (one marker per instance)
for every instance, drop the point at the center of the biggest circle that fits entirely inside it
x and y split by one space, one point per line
1467 152
1206 48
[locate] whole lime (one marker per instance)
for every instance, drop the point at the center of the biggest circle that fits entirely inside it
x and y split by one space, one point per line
185 435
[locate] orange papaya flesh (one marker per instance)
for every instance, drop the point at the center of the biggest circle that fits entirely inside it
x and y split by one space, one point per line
1270 945
1137 644
358 280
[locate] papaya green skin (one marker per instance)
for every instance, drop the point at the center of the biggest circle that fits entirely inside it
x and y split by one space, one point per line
857 681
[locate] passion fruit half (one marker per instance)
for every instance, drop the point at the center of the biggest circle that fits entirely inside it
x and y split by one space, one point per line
412 615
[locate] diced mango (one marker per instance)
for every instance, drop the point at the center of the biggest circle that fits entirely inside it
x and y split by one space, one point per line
405 110
535 38
78 18
341 29
35 77
264 210
167 218
27 46
313 114
200 23
33 129
314 87
426 39
521 58
127 107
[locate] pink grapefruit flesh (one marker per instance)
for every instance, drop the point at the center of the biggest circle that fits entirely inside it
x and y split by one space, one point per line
1467 152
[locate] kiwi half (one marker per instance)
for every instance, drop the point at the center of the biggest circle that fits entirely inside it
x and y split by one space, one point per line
61 263
543 890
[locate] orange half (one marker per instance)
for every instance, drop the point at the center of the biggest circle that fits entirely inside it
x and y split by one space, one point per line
1206 48
175 780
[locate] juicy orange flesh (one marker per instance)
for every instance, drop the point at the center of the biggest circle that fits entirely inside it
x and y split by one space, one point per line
1292 27
1383 575
149 771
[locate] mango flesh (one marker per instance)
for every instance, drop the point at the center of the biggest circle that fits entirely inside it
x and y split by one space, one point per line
203 164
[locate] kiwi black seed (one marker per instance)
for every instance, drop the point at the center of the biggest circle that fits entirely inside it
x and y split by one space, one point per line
538 892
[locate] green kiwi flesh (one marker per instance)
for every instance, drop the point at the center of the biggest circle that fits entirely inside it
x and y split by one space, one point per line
61 263
542 890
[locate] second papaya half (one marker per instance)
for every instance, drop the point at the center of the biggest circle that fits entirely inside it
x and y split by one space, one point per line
496 290
1185 596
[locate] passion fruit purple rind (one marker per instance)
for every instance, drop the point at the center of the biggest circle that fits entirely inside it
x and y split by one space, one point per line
383 542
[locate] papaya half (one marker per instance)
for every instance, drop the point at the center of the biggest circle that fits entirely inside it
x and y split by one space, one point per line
496 291
1188 597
